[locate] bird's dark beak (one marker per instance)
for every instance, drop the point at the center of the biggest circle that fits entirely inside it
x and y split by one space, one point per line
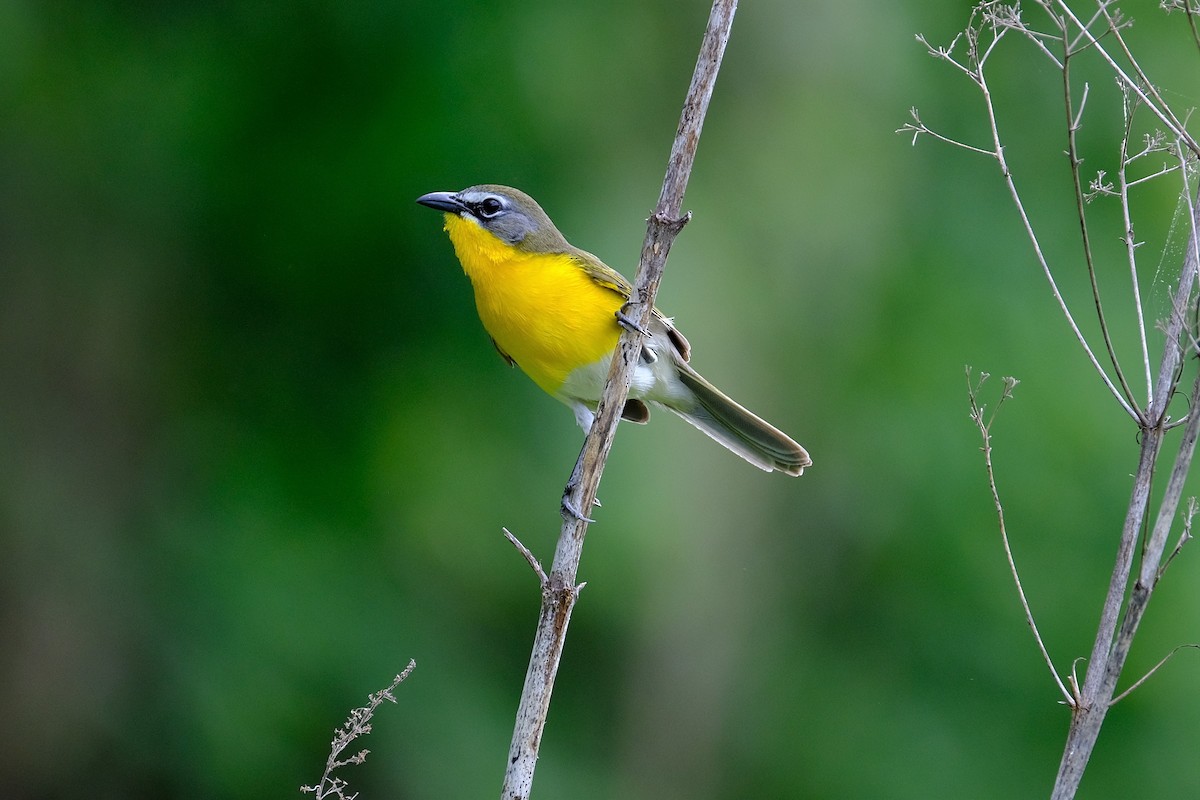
442 201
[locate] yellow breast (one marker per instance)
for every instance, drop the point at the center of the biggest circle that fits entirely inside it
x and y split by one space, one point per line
542 309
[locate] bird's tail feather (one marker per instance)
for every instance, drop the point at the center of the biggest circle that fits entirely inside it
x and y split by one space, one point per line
751 437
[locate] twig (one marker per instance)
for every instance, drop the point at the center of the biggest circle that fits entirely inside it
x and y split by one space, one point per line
356 725
559 594
1027 224
1156 544
533 562
1074 123
1185 536
985 431
1128 107
1152 670
1121 617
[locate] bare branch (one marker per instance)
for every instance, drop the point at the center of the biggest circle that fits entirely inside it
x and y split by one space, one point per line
560 593
1031 234
1042 39
917 128
1156 544
1112 643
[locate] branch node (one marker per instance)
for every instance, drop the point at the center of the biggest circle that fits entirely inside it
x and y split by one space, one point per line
674 224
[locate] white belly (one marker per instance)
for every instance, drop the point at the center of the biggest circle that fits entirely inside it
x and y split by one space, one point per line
654 380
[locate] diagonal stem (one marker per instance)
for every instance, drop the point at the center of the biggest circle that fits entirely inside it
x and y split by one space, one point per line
560 591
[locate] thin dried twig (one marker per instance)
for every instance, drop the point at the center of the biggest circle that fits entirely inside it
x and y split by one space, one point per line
1074 123
1128 106
1151 671
529 557
985 432
356 725
1142 86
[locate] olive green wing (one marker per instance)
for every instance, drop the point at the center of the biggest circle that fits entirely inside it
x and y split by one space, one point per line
609 278
602 274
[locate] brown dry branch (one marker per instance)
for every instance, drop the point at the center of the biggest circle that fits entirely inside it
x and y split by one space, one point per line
559 588
1063 37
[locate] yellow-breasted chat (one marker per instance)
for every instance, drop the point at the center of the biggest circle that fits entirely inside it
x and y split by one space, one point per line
555 311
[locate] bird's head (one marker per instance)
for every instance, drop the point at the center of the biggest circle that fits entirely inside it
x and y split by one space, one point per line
509 214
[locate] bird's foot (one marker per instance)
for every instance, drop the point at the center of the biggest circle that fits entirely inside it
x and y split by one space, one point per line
571 511
629 323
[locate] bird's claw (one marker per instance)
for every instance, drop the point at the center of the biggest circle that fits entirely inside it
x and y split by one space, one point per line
629 323
571 511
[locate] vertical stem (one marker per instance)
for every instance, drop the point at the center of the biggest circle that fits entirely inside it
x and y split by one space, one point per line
1091 704
560 591
1111 646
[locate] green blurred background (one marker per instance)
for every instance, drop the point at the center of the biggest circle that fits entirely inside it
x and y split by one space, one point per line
256 450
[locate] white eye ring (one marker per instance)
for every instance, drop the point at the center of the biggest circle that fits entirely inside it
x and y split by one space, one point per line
490 207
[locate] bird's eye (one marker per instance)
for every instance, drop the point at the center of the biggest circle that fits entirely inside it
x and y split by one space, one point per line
490 207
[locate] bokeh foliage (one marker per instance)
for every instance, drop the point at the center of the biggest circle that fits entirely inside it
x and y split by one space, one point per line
255 450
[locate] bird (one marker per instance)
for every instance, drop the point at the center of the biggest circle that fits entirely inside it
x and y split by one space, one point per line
556 311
